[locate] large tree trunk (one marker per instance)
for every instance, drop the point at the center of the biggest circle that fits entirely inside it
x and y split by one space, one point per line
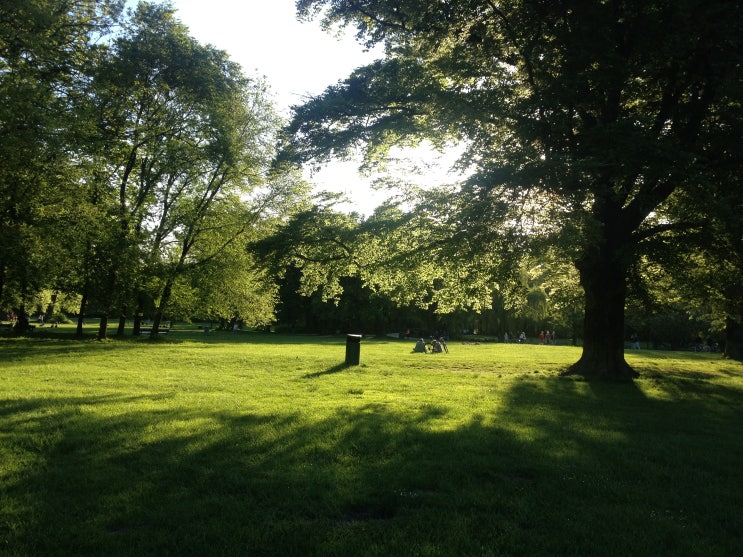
103 327
122 324
160 311
50 309
602 275
138 314
733 339
81 316
22 324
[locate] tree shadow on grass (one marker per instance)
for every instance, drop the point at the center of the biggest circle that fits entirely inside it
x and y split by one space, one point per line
50 344
561 467
24 348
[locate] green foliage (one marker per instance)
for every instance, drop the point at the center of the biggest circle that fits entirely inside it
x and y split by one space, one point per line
44 49
226 286
193 142
133 155
579 122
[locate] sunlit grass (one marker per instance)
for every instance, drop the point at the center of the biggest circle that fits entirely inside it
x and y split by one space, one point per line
251 444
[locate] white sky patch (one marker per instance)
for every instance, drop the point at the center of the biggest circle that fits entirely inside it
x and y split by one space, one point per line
298 60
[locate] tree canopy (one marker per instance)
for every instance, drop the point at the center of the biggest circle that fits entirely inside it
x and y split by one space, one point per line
581 121
133 156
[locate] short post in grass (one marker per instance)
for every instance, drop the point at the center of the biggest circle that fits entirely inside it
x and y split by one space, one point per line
353 349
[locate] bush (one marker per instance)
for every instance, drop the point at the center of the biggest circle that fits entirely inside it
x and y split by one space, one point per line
60 318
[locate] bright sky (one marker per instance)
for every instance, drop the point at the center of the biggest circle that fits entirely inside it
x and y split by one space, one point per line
297 58
265 37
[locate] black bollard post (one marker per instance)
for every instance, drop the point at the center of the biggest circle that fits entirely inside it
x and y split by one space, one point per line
353 349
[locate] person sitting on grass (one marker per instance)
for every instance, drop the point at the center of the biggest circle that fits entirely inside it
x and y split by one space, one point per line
420 346
442 342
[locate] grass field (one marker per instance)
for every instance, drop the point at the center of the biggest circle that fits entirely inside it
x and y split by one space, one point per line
263 445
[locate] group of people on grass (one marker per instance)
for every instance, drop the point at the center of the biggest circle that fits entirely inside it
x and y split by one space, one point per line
433 346
545 337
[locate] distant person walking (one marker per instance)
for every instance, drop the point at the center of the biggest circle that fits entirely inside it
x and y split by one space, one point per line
634 342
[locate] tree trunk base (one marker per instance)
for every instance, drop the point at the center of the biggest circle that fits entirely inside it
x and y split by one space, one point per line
599 368
733 340
103 328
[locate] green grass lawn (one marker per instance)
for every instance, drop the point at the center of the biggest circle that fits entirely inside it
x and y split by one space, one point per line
262 445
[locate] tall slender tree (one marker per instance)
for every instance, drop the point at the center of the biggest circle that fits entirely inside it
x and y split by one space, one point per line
184 138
